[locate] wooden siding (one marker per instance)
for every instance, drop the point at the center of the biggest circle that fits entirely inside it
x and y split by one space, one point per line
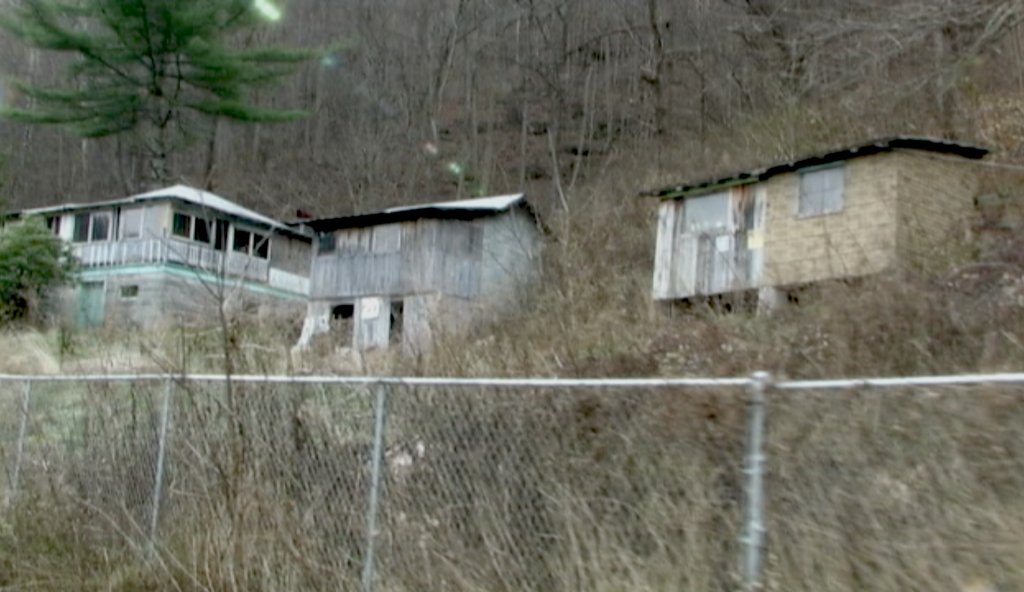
426 255
718 251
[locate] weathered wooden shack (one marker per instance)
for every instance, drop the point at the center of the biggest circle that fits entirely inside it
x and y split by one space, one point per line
173 254
402 275
848 212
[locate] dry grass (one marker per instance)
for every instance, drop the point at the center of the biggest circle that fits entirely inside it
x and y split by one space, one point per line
551 490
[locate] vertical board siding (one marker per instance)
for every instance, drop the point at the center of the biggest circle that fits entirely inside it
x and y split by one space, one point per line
664 248
426 255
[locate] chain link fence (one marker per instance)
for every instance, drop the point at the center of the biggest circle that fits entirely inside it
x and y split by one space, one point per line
327 483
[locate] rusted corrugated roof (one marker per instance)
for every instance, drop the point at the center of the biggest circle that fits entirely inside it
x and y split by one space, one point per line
871 147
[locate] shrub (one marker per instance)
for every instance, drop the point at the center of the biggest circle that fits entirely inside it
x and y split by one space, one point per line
32 263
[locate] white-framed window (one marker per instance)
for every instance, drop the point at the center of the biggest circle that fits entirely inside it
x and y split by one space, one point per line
198 229
92 227
250 243
822 191
129 292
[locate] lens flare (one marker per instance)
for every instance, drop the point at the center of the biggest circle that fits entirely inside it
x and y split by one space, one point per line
267 10
455 168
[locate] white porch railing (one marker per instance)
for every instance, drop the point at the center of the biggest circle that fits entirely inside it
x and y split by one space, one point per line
104 254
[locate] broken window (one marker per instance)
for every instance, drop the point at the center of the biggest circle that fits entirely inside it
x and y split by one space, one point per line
821 191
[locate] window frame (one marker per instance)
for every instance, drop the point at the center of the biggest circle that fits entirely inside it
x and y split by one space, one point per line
821 209
88 234
327 243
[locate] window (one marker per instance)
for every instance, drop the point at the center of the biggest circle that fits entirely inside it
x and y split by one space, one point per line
53 223
81 234
821 191
221 235
91 227
202 231
100 227
327 242
182 225
261 245
240 243
128 292
706 214
131 223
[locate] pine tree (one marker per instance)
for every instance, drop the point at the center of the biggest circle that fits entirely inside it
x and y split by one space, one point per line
149 67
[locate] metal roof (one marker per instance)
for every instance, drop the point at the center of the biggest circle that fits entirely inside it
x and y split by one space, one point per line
464 209
194 196
875 146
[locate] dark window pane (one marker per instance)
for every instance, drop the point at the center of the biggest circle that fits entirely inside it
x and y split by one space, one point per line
202 231
81 228
261 245
221 236
241 242
182 225
53 223
327 242
100 227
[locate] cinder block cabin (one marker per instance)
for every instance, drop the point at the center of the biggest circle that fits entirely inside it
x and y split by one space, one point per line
174 254
842 213
401 276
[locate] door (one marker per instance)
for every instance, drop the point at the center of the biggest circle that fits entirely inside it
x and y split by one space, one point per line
91 304
708 243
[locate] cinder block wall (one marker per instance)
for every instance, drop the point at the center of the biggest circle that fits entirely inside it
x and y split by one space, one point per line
935 210
861 239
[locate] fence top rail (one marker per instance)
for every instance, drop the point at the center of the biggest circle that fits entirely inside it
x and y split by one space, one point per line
390 380
830 384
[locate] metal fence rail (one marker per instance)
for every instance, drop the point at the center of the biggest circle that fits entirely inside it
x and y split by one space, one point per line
424 482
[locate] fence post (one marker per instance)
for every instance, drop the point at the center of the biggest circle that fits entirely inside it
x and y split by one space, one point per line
26 397
753 537
161 455
377 460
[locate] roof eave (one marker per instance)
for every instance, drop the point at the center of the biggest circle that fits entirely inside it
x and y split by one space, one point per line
969 151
